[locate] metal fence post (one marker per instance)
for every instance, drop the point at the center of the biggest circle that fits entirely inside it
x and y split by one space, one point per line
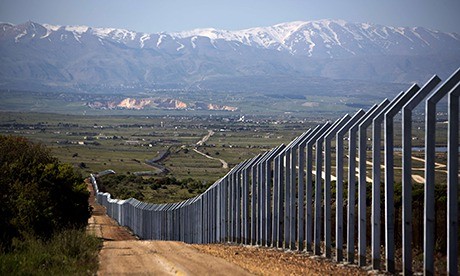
293 199
254 177
278 207
237 183
245 217
231 197
260 201
267 206
318 194
219 210
389 177
224 211
275 209
452 182
287 200
301 196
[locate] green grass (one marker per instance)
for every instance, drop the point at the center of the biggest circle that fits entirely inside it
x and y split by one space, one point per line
71 252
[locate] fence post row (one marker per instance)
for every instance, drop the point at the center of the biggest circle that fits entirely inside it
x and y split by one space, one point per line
318 185
352 184
309 184
290 190
268 200
430 144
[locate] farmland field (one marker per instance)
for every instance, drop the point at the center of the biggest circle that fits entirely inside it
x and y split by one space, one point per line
124 143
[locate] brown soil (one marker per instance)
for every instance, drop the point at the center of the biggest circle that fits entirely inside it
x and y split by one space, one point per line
270 261
161 257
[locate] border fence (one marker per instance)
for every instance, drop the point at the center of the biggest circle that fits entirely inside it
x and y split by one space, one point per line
283 198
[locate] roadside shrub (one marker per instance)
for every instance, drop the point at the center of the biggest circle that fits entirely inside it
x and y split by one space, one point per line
39 195
68 252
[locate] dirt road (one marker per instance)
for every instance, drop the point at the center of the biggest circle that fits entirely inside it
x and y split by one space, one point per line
224 163
161 258
205 138
122 253
202 141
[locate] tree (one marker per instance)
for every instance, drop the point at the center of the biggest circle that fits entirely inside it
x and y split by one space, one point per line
39 195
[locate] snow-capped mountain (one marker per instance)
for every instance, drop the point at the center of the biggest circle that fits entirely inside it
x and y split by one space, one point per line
70 55
334 38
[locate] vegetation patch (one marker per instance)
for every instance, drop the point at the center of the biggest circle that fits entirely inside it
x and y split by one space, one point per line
44 212
68 252
154 190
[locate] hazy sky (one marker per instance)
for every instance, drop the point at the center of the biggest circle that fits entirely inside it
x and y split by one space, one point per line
153 16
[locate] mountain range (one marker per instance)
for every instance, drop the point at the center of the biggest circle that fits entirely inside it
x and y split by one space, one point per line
39 56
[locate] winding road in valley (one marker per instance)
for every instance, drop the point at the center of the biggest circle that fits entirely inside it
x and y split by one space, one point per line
202 141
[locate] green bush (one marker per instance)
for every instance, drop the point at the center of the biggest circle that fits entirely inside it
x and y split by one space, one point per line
123 186
68 252
40 196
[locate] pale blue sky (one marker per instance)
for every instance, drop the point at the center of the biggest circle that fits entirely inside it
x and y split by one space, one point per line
153 16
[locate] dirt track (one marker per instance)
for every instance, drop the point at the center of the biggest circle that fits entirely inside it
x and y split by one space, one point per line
202 141
123 254
161 257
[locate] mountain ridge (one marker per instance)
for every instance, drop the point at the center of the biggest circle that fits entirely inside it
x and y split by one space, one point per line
51 55
265 37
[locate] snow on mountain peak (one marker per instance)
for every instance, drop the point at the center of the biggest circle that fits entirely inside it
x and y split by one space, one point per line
325 38
77 29
211 33
118 34
268 37
52 27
